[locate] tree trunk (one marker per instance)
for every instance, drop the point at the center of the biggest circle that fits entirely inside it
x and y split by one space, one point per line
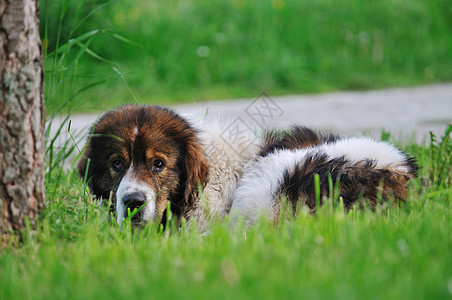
22 115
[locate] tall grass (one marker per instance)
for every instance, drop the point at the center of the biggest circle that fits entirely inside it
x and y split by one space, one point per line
78 252
185 50
64 49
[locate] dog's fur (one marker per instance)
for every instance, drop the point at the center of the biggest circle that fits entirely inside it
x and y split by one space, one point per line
288 162
147 156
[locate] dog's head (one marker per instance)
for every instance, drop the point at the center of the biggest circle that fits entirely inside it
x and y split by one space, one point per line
143 157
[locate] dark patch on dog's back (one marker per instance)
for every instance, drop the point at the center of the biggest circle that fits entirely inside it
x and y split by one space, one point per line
298 137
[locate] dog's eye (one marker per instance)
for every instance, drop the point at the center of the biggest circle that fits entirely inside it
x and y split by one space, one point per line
117 165
157 165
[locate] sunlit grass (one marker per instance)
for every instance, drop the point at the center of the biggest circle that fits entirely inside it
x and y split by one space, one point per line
78 252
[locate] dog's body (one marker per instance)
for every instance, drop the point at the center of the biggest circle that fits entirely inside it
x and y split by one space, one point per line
147 156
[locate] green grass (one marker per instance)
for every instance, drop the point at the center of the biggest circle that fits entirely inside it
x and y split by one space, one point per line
163 52
77 252
393 253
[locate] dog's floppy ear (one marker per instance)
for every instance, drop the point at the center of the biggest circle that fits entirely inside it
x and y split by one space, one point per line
197 167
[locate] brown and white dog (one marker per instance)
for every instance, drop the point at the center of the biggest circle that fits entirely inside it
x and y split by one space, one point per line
146 156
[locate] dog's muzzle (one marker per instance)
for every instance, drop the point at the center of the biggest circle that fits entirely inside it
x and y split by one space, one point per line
131 195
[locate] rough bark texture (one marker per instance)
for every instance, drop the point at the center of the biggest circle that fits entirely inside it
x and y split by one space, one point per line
21 115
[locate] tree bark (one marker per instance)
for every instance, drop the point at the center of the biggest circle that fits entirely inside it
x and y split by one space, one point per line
22 115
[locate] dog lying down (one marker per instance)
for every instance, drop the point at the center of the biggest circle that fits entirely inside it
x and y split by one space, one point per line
144 156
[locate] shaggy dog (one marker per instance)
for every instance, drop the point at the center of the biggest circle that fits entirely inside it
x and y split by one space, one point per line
143 157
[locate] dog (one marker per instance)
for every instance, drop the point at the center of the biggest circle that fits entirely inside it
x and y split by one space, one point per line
144 157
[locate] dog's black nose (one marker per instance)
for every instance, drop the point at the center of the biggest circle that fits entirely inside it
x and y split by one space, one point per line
134 200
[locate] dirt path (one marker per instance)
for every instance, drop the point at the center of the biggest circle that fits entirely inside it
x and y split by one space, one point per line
403 112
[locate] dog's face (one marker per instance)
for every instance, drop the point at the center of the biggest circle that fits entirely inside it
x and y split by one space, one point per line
143 157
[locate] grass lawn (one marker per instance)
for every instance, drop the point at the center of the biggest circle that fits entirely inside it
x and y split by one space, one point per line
393 253
163 52
100 54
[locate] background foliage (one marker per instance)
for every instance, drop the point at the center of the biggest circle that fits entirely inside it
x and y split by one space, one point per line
171 51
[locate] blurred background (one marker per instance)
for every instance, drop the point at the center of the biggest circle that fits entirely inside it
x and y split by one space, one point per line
104 53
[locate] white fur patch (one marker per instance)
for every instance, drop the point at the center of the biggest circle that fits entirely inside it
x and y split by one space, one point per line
259 185
130 184
358 149
227 159
135 133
